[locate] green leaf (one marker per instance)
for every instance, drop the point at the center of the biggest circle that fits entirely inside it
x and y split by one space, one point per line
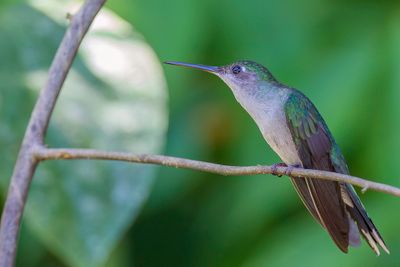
114 98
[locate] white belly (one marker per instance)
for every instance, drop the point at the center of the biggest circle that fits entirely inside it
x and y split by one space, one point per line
278 136
271 120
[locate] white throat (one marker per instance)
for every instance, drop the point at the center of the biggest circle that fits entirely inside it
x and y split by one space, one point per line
266 107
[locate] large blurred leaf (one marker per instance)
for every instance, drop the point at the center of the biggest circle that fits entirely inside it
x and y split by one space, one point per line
114 98
177 30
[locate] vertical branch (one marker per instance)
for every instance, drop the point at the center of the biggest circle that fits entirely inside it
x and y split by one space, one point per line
25 166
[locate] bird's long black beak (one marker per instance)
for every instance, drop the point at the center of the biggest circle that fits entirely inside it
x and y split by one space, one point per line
211 69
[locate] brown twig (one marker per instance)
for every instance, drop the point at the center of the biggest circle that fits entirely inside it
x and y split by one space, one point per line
36 130
43 153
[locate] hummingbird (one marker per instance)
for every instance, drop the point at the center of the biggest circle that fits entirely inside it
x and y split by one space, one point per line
292 126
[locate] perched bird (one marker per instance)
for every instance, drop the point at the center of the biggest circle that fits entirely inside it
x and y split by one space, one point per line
293 127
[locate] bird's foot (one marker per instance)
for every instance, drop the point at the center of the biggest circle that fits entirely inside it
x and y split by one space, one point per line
290 168
275 166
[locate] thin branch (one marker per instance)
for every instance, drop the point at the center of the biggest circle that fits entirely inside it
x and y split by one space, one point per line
43 153
26 163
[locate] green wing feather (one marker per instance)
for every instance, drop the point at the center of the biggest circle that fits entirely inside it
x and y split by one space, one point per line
314 142
328 201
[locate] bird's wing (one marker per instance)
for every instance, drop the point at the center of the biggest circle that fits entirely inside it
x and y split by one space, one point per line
314 143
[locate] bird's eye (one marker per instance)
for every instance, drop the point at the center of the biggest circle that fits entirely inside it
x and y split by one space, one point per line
236 69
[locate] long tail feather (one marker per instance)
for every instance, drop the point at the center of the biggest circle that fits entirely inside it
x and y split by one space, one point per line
364 223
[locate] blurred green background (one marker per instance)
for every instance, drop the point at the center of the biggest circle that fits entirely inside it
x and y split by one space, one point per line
345 55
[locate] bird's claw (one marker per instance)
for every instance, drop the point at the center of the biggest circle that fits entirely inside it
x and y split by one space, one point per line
275 167
288 171
290 168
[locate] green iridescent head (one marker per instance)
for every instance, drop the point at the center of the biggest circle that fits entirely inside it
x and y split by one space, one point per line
247 70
